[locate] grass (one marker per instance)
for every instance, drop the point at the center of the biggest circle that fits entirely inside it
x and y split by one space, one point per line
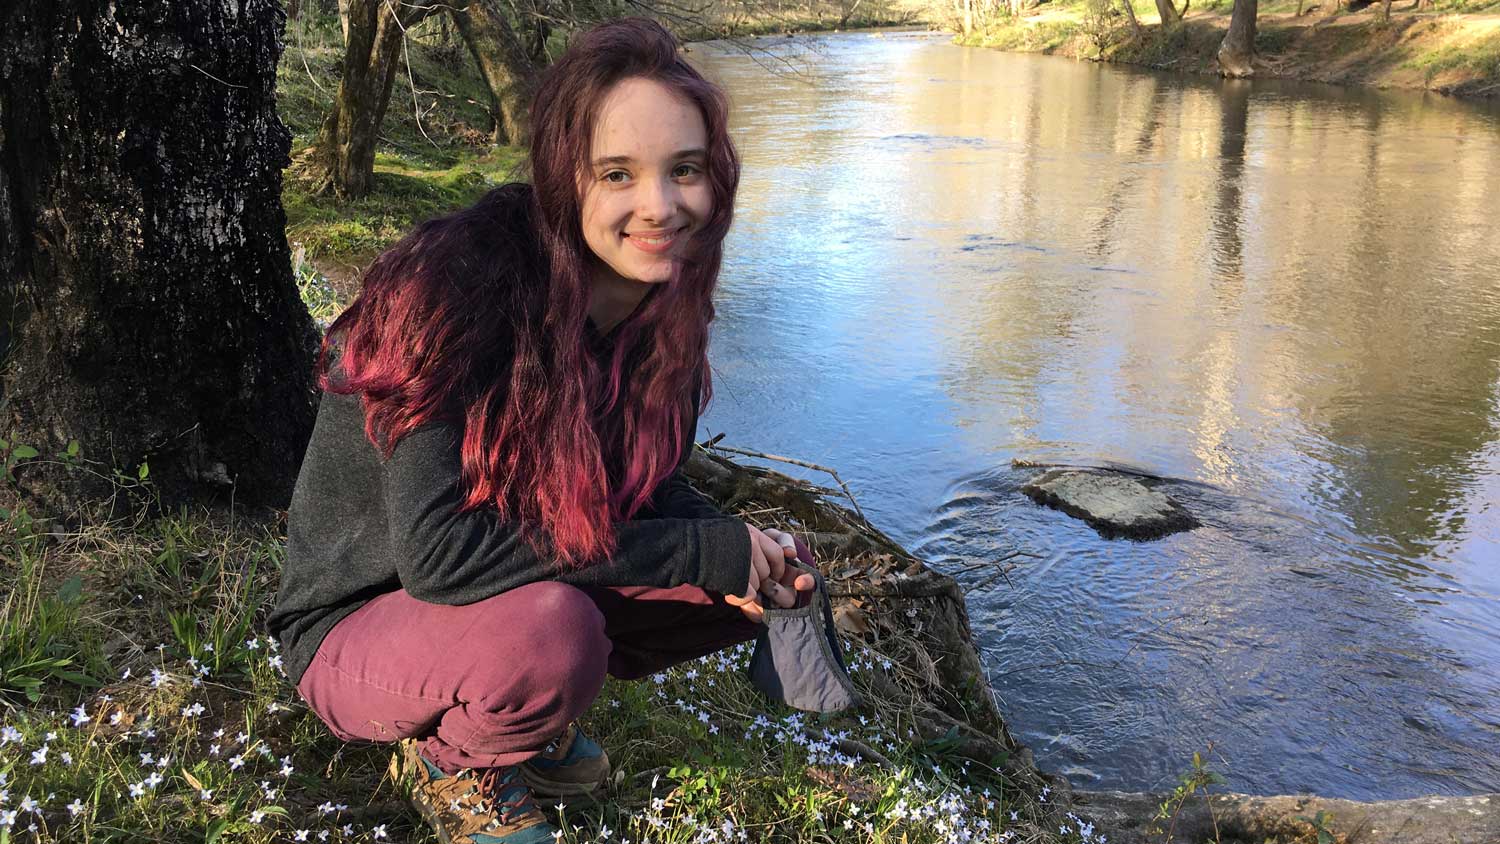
1480 58
405 193
151 706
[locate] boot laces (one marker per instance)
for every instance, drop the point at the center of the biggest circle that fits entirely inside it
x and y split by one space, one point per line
510 795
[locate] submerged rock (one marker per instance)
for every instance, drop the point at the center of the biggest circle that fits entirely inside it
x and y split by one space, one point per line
1115 504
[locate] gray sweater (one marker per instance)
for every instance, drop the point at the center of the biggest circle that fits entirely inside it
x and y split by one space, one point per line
361 526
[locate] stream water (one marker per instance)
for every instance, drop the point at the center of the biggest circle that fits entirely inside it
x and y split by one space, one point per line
1285 298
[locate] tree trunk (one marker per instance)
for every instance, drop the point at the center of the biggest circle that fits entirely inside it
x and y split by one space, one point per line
504 64
344 19
343 158
1237 52
1135 25
968 17
848 12
149 299
1385 11
1167 11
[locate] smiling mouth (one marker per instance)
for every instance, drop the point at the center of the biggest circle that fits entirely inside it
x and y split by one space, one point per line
655 240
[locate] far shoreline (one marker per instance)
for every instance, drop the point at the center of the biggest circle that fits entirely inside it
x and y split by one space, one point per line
1456 55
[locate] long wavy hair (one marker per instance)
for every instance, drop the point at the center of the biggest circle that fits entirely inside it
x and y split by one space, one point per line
478 319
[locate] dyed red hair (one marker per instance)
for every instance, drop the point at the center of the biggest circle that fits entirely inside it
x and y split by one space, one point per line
478 319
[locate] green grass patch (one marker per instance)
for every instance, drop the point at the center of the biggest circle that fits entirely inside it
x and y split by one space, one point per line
407 190
1480 58
1021 36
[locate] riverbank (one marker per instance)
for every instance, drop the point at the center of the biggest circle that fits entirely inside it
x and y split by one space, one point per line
141 697
1448 52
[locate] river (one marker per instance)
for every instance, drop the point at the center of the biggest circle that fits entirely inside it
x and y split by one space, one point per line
1285 298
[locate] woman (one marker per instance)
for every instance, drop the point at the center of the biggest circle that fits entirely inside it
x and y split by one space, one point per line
489 515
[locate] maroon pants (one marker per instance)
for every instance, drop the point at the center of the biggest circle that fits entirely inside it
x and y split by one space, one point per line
491 683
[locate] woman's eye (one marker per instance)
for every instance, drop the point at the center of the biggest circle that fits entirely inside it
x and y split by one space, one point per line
616 176
683 171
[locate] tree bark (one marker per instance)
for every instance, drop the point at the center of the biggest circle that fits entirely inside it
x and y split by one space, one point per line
344 19
503 62
343 158
1237 51
1135 25
149 299
1167 11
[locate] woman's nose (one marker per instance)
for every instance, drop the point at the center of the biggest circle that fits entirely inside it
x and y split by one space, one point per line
657 200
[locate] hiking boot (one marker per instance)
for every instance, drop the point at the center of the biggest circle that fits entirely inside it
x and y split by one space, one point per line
572 765
487 806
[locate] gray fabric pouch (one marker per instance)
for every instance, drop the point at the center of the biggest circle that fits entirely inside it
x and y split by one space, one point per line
798 660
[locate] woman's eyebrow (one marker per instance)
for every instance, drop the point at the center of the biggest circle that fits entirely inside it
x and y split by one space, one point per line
695 152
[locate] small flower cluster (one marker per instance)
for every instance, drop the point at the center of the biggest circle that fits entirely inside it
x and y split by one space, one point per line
162 759
874 802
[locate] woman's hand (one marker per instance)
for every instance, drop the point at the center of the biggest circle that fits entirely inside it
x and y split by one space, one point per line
770 576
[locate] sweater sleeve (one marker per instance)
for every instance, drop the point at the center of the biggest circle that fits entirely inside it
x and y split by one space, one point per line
675 499
451 557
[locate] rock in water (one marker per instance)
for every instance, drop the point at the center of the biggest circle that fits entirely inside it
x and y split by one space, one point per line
1116 505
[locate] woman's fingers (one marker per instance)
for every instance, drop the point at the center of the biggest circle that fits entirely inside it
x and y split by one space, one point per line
780 595
751 608
760 568
785 540
771 574
775 556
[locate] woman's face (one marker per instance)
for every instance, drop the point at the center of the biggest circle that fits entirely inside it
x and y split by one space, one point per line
646 188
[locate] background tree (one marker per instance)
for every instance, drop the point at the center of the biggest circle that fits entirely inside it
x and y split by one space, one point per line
343 155
508 66
1168 12
149 304
1135 24
1237 51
